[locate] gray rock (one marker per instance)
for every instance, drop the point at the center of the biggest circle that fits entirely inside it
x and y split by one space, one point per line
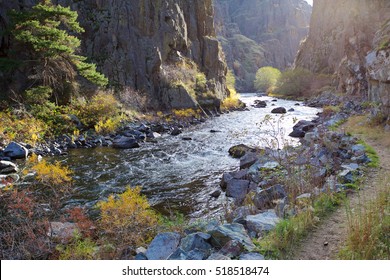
351 166
279 110
358 150
162 246
140 257
224 233
178 255
264 199
248 159
197 255
215 193
15 151
9 179
176 131
346 176
240 150
304 196
218 257
251 257
232 249
265 221
124 142
62 232
197 240
237 189
7 167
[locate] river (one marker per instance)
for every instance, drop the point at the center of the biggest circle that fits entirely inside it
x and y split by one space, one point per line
179 175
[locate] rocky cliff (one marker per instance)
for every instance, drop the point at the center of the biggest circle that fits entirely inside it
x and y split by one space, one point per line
157 47
256 33
351 39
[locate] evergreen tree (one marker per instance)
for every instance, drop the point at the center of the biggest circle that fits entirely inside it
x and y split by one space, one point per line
45 38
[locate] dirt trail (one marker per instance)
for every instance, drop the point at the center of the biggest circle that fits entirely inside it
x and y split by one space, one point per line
324 242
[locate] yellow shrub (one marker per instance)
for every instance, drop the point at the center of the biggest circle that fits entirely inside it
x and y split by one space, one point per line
232 102
185 113
51 174
128 219
108 126
102 107
21 128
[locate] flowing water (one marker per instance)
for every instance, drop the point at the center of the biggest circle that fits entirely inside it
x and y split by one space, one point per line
178 175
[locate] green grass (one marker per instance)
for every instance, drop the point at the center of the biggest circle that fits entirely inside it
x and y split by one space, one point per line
372 155
280 242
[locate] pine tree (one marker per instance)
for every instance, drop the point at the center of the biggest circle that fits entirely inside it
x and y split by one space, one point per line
45 35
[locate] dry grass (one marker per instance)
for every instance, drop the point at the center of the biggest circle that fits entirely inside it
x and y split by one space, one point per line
369 227
359 126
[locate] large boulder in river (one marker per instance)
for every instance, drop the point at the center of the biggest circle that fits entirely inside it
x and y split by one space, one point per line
163 245
15 151
124 142
240 150
279 110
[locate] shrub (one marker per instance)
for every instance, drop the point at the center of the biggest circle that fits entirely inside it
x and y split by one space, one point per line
78 249
186 113
21 127
23 226
296 82
232 101
127 220
102 106
266 79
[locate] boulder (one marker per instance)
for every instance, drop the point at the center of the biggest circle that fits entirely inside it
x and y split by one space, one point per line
265 199
279 110
240 150
248 160
237 189
176 131
265 221
218 257
62 232
197 240
15 151
297 133
9 179
260 104
251 257
215 193
224 233
358 150
232 249
7 167
124 142
162 246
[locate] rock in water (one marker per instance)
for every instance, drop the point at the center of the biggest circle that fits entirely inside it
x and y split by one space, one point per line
15 151
279 110
124 142
162 246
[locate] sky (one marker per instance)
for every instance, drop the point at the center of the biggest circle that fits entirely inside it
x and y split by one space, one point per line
310 2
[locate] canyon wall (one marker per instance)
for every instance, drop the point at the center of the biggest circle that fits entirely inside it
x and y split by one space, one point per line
256 33
351 39
136 43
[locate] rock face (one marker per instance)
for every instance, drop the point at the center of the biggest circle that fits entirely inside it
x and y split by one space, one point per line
141 45
351 39
256 33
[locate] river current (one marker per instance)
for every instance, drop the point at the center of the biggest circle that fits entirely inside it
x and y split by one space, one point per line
179 175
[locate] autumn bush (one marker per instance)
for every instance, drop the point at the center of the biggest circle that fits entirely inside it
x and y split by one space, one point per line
233 99
23 226
101 107
127 220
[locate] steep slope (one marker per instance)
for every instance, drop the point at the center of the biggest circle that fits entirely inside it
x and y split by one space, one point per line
256 33
342 34
142 44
